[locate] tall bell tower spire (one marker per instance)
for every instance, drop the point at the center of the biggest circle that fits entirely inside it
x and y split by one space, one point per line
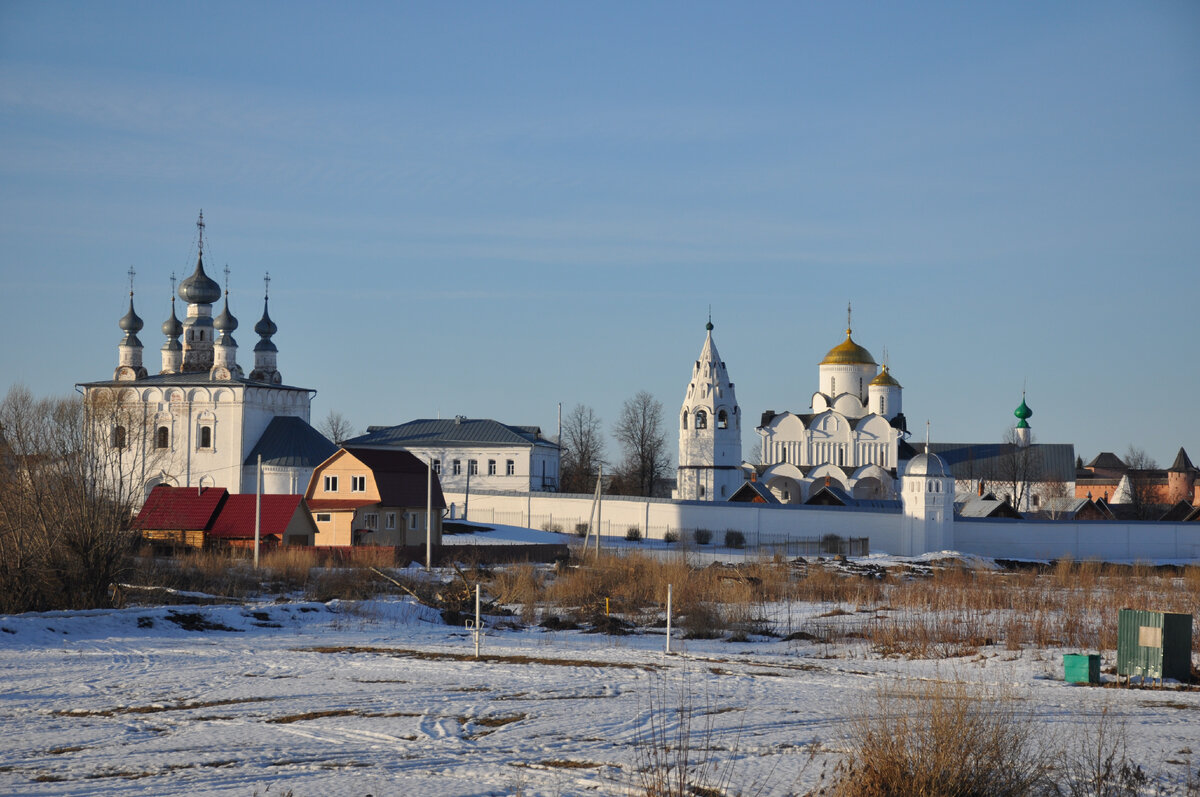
710 436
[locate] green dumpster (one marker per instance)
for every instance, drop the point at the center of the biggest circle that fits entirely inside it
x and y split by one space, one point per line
1154 645
1079 668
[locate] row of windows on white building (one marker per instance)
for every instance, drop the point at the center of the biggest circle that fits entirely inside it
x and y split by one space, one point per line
162 437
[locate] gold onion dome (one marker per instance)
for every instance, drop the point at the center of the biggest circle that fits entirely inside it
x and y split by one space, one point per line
848 353
885 379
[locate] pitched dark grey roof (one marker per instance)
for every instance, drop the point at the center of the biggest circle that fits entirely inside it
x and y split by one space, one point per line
1108 461
291 443
1182 464
993 461
451 432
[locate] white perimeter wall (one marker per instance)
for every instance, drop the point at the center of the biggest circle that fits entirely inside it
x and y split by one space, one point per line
1089 539
654 517
1018 539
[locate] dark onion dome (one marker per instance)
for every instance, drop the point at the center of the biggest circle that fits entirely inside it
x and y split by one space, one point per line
225 322
1023 413
172 328
265 326
885 379
130 322
199 288
848 353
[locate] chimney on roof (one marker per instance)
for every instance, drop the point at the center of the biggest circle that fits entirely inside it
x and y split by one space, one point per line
458 419
827 481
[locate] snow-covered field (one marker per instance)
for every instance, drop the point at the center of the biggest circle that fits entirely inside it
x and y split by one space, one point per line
381 698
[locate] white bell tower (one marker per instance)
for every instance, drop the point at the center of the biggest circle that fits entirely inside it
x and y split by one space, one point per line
710 431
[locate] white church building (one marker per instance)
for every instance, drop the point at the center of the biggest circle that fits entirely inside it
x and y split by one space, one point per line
851 437
201 421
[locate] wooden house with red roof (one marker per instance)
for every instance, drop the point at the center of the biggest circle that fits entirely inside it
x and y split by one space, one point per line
364 496
208 517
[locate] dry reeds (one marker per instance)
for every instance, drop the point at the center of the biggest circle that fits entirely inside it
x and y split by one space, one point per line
943 739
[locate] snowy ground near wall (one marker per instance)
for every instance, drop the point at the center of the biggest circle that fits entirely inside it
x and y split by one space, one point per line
380 698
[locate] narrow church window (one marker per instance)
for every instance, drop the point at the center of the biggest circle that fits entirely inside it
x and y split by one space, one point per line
206 437
118 437
722 420
833 385
162 437
882 405
702 491
684 419
701 419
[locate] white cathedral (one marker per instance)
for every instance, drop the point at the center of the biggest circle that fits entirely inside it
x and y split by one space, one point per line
851 437
200 421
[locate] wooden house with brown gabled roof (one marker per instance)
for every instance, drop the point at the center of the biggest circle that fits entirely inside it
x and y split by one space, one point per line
366 496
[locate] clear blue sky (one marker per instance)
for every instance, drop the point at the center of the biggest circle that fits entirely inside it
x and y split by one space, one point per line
489 208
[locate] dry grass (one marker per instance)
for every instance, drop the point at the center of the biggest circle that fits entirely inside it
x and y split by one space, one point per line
942 739
952 610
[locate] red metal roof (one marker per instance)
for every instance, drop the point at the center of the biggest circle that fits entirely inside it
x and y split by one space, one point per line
236 517
180 508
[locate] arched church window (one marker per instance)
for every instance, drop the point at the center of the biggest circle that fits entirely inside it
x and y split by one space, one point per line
722 420
162 437
701 419
118 437
206 437
684 419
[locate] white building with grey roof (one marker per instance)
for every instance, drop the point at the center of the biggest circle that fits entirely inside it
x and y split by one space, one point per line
474 453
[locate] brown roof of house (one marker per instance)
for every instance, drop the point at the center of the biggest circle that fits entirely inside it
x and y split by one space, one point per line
400 477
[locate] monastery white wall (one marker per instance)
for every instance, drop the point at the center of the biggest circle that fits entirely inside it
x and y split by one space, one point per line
1017 539
1086 539
653 517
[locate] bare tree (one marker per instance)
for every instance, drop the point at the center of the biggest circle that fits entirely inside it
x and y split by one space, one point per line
1139 491
336 427
72 472
1137 459
1019 468
639 432
583 450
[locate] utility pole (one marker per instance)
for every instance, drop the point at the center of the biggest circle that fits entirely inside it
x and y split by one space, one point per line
429 519
257 508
